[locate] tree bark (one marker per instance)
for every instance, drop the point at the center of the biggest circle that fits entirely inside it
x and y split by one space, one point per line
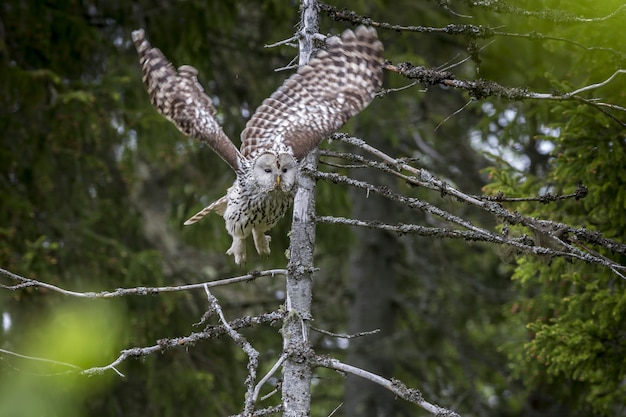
297 372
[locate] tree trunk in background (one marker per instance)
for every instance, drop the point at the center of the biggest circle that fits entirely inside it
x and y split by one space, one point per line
372 286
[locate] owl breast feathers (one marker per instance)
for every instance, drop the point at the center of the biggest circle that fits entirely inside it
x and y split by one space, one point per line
338 82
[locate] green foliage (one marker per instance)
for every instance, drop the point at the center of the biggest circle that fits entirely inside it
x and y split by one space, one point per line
83 334
575 312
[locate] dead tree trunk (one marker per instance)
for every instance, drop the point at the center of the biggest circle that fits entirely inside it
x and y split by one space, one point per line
296 388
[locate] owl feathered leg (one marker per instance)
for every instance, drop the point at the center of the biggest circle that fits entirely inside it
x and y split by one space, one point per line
261 242
238 250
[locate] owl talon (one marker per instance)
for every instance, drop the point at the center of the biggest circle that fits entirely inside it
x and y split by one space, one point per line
261 242
238 250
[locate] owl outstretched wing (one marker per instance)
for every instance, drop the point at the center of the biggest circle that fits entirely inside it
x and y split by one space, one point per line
179 97
338 82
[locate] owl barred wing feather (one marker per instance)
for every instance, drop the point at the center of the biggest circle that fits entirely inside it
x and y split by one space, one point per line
338 83
179 97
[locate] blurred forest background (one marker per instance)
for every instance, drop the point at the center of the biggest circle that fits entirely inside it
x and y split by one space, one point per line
95 186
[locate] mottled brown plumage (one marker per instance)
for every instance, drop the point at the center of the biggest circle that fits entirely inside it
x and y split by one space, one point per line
339 82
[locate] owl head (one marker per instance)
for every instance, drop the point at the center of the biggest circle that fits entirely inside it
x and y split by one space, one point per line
272 171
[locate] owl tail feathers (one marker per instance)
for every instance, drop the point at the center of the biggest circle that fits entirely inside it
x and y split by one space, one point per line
218 206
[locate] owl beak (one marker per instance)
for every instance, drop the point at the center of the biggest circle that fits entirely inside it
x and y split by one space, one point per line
277 180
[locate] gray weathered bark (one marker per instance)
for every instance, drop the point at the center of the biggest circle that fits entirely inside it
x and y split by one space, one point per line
297 372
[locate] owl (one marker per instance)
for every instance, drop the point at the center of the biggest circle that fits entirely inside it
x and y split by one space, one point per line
339 81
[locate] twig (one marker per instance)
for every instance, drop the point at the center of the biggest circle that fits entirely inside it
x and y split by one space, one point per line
474 31
342 335
384 91
271 372
580 193
424 178
476 232
480 89
178 342
546 14
341 166
463 107
33 358
277 409
242 342
398 388
456 64
291 65
594 86
332 413
283 42
272 392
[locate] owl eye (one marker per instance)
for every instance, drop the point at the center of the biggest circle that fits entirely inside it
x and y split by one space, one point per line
284 170
268 170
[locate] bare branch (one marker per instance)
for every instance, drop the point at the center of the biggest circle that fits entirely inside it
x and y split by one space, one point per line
27 282
344 336
476 31
291 65
384 91
33 358
411 202
277 409
580 193
544 227
398 388
425 179
332 413
598 85
289 41
271 372
480 89
545 14
184 342
351 16
242 342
